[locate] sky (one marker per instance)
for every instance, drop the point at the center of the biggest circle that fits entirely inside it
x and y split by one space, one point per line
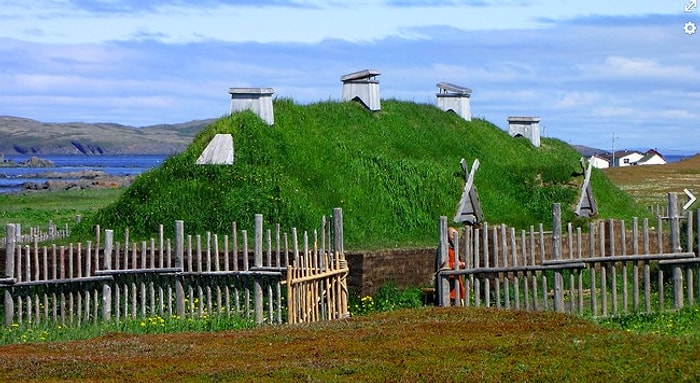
607 74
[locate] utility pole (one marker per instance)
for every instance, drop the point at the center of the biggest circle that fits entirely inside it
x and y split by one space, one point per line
613 150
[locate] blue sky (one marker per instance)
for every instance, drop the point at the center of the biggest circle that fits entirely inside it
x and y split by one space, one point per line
591 70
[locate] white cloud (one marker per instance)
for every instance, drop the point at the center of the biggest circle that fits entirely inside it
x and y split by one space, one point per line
575 100
616 66
586 67
269 21
677 114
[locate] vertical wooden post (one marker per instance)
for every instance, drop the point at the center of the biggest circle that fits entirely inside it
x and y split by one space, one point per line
338 231
496 279
106 288
179 256
690 233
697 226
258 262
109 244
635 266
458 292
543 275
504 260
591 253
646 270
339 234
613 269
10 239
485 253
441 283
674 218
689 248
557 250
514 262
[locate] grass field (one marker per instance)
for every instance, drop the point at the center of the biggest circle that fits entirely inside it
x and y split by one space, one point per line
649 185
417 345
36 209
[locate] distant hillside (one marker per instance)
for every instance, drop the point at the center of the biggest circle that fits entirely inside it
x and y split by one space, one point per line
394 173
26 136
588 151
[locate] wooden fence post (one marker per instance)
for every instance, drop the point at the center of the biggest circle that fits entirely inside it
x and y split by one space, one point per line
441 283
106 288
338 231
258 258
10 240
179 256
557 250
458 292
674 218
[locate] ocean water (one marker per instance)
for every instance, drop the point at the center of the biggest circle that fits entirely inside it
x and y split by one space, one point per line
675 158
12 178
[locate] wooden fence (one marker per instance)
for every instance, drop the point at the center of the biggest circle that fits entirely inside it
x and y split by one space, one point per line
611 268
188 277
37 234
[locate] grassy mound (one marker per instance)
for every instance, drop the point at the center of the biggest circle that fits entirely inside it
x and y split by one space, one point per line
393 172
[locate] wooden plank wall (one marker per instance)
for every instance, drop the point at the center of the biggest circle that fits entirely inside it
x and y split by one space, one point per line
193 276
608 268
37 234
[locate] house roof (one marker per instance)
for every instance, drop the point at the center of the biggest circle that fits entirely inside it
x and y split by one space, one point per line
652 152
623 153
452 88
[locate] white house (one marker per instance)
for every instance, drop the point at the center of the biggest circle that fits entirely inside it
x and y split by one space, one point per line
652 157
627 157
599 162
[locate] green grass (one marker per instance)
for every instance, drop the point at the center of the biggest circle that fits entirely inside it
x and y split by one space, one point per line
388 298
156 324
394 173
36 209
410 345
684 322
388 338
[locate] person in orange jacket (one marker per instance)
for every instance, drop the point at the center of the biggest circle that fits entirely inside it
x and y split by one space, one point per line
450 263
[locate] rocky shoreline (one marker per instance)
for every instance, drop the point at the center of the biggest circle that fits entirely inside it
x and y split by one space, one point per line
81 180
34 162
56 180
89 181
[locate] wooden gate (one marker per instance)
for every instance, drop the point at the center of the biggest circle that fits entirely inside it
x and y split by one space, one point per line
317 280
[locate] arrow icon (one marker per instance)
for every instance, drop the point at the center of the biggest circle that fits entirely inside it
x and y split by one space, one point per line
690 6
690 200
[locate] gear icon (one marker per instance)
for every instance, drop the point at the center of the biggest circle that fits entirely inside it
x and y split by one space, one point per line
690 28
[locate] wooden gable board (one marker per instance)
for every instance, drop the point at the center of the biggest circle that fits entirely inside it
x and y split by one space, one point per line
219 151
469 211
586 206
